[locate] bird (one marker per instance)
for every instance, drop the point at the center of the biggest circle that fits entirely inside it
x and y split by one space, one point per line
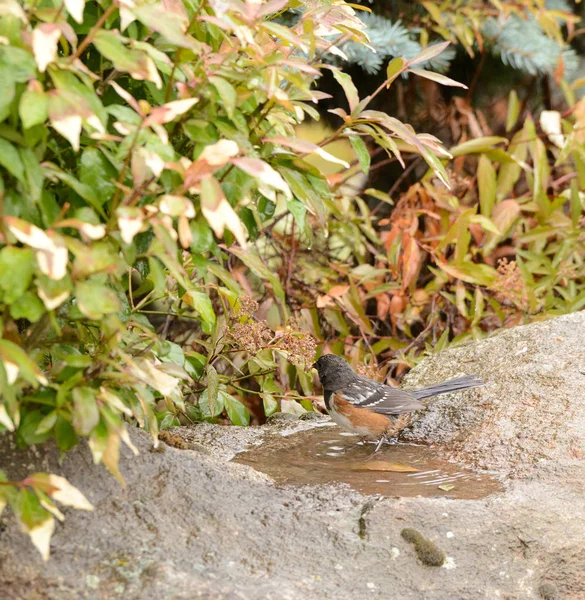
371 409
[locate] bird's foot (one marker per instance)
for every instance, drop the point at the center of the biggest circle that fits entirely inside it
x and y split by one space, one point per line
381 441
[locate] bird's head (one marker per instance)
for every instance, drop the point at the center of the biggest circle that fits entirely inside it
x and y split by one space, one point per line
333 371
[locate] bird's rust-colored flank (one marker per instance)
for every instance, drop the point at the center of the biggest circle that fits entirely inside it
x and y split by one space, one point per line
362 417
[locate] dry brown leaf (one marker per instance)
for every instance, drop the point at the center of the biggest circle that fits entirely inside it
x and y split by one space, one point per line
338 290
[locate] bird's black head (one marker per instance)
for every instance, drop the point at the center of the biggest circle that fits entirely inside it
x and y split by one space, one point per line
334 372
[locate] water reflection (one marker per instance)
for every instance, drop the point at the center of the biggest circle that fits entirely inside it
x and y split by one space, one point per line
328 455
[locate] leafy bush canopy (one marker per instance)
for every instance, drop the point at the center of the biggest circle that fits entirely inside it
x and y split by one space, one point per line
170 253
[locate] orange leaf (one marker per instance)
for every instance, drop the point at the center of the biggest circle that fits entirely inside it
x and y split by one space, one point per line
383 305
338 290
411 260
504 214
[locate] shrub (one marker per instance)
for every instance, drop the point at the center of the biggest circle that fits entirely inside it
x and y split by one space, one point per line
152 189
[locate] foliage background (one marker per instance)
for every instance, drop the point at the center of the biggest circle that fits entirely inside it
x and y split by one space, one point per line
179 236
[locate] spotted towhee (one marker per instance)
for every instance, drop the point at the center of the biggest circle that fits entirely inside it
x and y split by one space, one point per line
369 408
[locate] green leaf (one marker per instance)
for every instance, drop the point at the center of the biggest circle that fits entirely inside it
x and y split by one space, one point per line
168 23
34 173
47 423
28 306
85 191
28 432
478 274
10 160
486 183
299 212
513 110
135 62
227 94
394 68
211 402
269 403
20 62
237 412
361 151
202 304
16 271
96 300
477 145
202 236
252 260
576 208
65 435
97 173
33 108
85 410
29 510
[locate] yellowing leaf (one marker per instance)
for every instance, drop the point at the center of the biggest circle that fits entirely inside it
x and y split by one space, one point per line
163 383
550 121
486 183
145 163
75 9
85 415
307 148
169 112
176 206
219 154
130 222
218 211
110 398
45 39
4 417
67 494
40 536
89 231
442 79
428 53
111 457
65 118
52 255
265 174
504 215
349 88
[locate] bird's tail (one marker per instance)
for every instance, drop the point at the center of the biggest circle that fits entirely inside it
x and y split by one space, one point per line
460 383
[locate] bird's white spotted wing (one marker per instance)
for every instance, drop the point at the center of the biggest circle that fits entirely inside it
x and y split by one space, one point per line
380 398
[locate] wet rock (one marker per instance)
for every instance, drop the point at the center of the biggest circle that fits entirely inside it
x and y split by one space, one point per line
529 418
190 524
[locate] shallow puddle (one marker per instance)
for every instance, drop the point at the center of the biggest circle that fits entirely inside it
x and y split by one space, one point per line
328 455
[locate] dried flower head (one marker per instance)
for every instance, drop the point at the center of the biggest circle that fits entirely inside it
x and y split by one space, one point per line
252 335
299 346
509 286
370 371
246 307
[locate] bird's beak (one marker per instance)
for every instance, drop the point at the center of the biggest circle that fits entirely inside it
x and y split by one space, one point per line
314 365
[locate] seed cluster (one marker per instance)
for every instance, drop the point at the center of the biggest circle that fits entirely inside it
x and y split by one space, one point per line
509 286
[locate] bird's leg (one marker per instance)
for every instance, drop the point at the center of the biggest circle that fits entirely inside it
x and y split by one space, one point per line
378 446
358 443
380 442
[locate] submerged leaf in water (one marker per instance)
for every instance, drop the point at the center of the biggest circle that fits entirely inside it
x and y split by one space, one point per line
382 465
